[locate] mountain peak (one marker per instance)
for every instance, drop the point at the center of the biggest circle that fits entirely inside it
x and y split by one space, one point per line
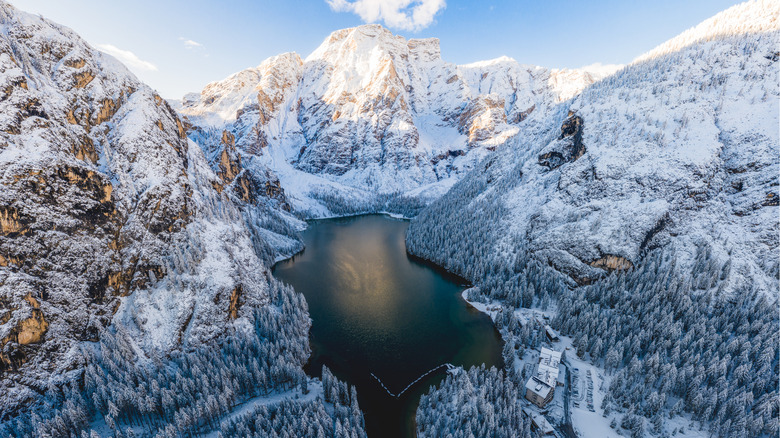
368 36
362 38
756 16
426 49
368 30
283 60
489 62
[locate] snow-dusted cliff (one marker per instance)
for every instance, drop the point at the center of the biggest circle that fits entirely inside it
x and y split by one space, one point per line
371 113
108 213
645 218
678 150
115 211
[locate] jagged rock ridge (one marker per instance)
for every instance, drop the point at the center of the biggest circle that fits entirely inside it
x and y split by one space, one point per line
369 113
108 213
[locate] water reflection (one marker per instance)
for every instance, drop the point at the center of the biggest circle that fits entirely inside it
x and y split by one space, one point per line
376 310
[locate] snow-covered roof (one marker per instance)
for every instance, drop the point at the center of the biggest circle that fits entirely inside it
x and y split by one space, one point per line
547 374
547 371
551 356
539 420
538 387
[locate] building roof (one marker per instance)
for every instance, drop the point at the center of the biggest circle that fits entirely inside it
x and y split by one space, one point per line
539 420
547 370
550 332
538 387
547 374
553 358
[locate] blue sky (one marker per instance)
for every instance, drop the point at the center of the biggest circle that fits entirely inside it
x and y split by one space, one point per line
179 46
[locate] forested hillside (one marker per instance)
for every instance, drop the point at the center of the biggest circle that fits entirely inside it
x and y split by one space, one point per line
647 215
124 394
135 292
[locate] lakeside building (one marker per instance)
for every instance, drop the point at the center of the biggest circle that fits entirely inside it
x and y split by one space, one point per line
552 335
539 423
540 388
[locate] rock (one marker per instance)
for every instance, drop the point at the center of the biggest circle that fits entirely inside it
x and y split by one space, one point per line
106 213
569 146
10 222
235 302
375 113
771 200
612 263
32 329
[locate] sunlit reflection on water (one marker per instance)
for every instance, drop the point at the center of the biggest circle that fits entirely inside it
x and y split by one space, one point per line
376 310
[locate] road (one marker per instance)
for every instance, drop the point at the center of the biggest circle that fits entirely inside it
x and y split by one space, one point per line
566 429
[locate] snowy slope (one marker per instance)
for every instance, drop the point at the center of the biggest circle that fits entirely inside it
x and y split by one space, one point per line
669 172
755 16
370 113
677 150
108 213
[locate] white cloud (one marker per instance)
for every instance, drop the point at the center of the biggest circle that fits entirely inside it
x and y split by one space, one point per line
127 58
190 44
400 14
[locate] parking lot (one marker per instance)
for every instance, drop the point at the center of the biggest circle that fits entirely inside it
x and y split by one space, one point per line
582 389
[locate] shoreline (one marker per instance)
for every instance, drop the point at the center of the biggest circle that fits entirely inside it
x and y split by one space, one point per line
462 285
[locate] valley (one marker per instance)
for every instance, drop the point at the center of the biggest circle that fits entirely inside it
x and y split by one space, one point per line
369 240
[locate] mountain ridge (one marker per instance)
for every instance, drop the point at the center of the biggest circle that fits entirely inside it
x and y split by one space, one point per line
108 214
644 217
373 113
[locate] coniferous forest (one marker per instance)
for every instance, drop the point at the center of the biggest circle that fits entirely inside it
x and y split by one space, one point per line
610 233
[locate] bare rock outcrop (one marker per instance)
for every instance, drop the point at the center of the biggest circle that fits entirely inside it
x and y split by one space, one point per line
107 212
369 113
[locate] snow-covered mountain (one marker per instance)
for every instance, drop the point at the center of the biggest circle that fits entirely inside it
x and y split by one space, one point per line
115 211
371 113
678 149
112 215
748 18
108 213
668 173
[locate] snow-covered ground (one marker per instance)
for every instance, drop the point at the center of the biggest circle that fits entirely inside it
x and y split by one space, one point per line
586 423
315 391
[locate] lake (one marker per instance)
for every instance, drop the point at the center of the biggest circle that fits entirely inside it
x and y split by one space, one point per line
377 310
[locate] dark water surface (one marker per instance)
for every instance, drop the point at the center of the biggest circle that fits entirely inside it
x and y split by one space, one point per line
376 310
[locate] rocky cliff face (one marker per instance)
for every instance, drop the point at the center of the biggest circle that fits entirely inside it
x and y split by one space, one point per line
568 147
371 113
108 213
